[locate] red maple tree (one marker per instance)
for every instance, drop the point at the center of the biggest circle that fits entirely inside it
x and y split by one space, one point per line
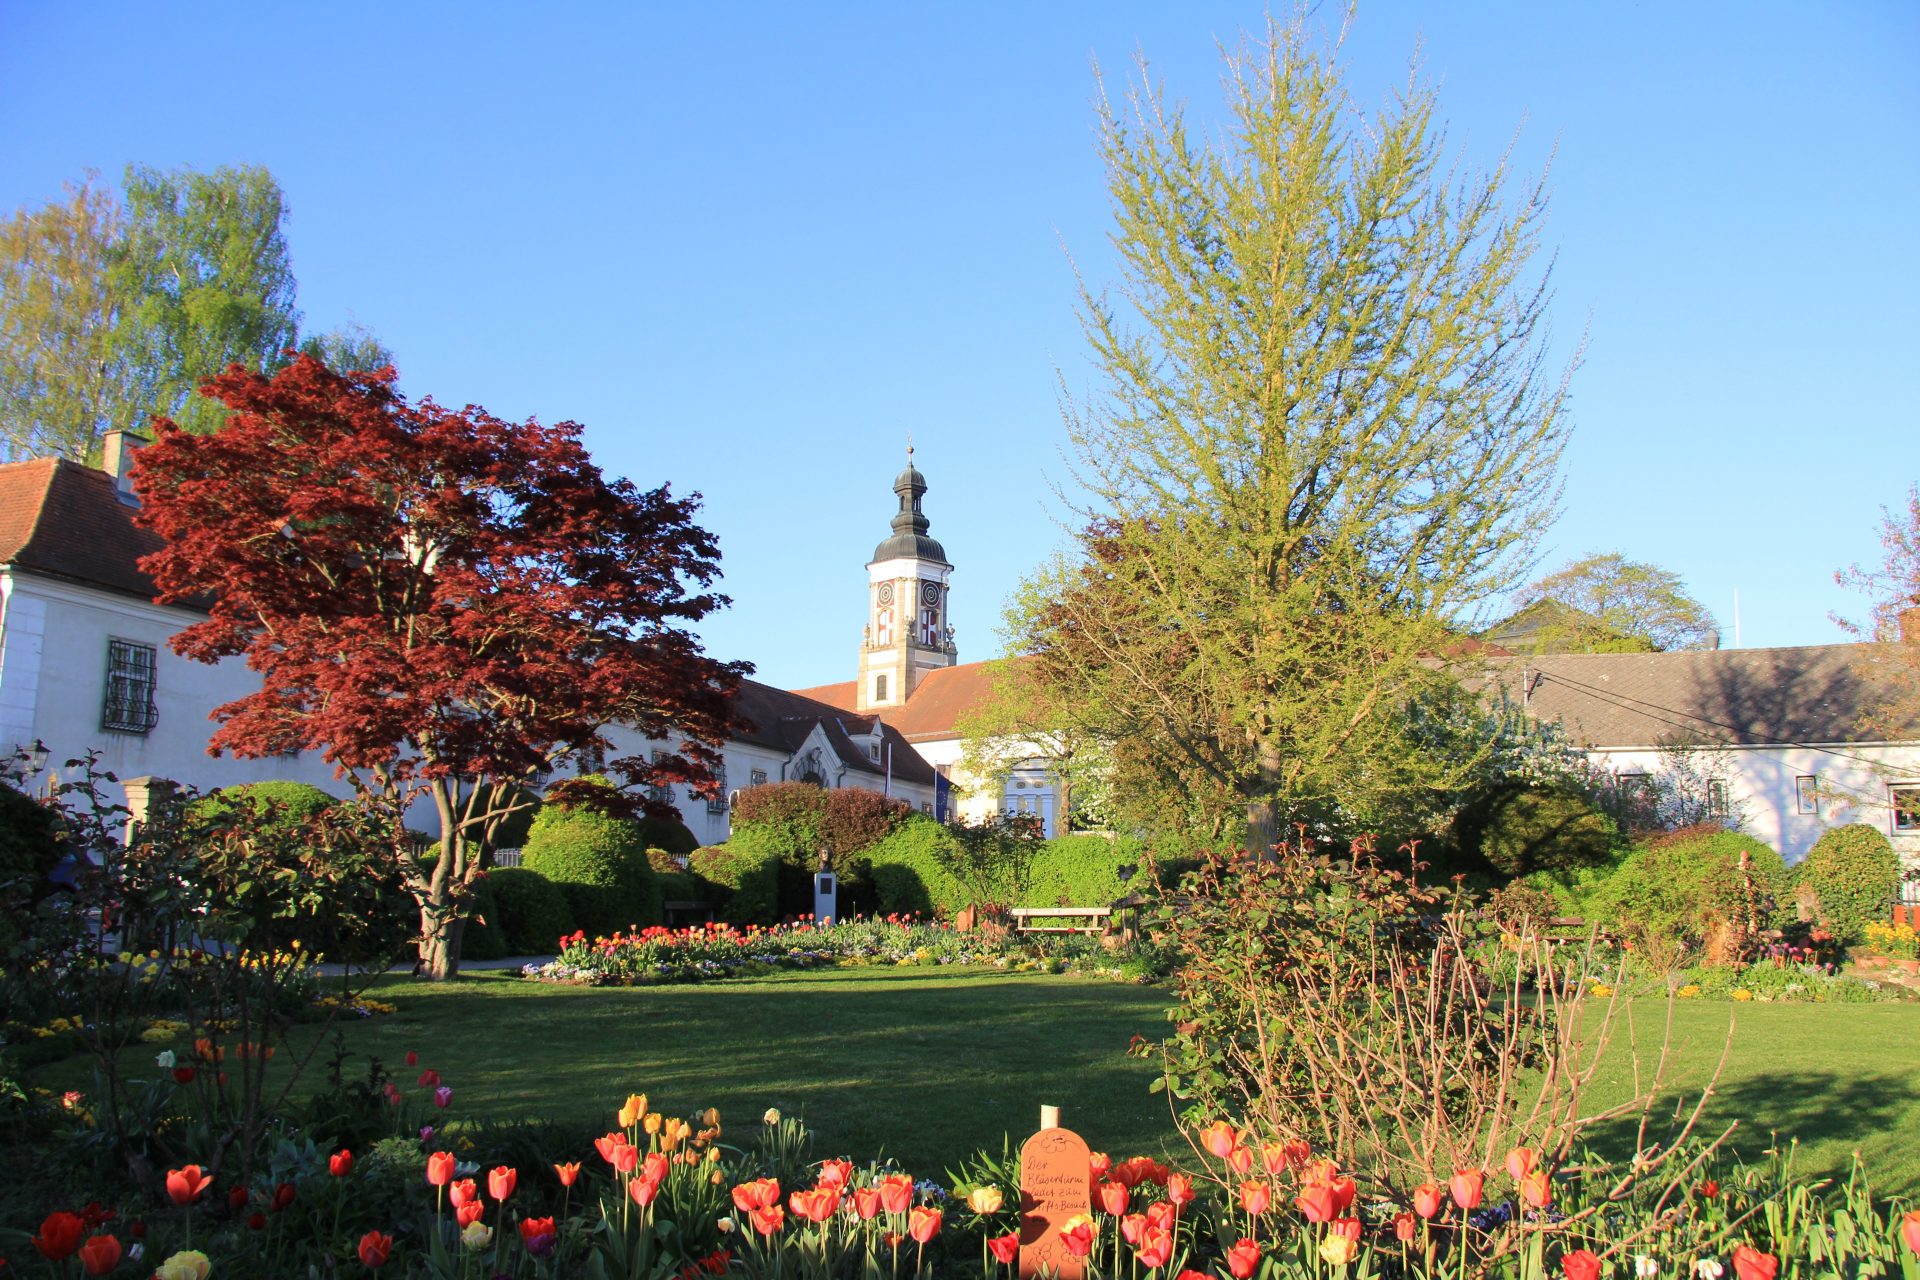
443 603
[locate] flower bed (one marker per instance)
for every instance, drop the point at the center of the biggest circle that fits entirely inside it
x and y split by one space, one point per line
704 952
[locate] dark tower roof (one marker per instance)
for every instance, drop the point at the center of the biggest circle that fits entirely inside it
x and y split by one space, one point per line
910 540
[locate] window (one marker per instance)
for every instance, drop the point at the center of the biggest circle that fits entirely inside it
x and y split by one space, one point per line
926 807
757 778
1806 791
129 702
661 793
717 803
880 688
1905 797
1716 797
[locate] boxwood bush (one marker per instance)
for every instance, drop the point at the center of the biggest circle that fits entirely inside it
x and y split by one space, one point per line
600 864
1849 878
532 911
910 869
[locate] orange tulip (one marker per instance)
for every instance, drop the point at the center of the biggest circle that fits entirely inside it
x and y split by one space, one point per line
1751 1264
502 1181
1405 1226
609 1146
185 1185
1219 1138
568 1173
469 1213
1581 1264
1113 1198
896 1192
768 1220
1428 1199
1520 1162
1316 1204
762 1193
1910 1230
866 1203
1255 1196
1133 1227
1240 1160
440 1168
1243 1258
1467 1185
629 1114
1179 1189
1346 1228
1162 1214
923 1224
465 1191
836 1173
1156 1249
817 1205
375 1248
1537 1189
626 1159
100 1254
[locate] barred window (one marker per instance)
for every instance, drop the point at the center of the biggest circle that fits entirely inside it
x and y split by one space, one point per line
129 702
1716 798
717 804
757 778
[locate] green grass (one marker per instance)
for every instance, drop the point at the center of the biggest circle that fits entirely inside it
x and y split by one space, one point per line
932 1064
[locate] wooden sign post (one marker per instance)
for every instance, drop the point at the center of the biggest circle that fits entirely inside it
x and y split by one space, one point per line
1056 1182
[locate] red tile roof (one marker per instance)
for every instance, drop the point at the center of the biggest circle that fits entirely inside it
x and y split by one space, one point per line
932 712
67 521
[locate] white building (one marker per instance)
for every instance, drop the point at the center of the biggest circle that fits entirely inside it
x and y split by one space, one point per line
1770 738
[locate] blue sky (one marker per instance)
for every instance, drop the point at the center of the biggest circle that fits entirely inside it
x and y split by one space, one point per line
751 247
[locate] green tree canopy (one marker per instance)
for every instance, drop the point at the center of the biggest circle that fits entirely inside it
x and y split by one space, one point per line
1325 432
1606 603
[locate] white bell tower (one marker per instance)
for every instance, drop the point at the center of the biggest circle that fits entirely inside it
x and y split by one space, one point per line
907 633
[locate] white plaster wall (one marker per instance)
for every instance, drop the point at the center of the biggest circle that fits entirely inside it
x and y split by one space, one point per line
1762 787
975 801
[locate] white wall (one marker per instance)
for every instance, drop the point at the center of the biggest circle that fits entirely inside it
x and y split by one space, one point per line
974 800
1763 788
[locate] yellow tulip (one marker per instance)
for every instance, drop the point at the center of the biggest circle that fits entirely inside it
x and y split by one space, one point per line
635 1108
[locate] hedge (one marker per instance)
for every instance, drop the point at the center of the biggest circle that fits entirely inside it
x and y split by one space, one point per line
1852 873
1082 871
785 816
1520 830
600 864
29 850
1685 887
483 938
532 911
909 869
748 868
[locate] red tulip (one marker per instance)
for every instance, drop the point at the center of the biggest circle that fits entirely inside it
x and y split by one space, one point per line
502 1181
1179 1189
1520 1162
768 1220
1405 1226
1343 1193
1077 1234
429 1079
237 1198
413 1059
1581 1264
1156 1249
100 1254
762 1193
626 1159
1255 1196
1910 1230
1005 1248
375 1248
257 1221
1468 1185
538 1236
340 1163
1098 1164
568 1173
184 1186
469 1213
866 1203
609 1146
1316 1203
465 1191
817 1205
282 1197
1751 1264
923 1224
1710 1189
1243 1259
1113 1198
1537 1188
440 1168
836 1173
59 1235
1162 1215
1193 1275
1133 1227
896 1192
183 1075
1427 1199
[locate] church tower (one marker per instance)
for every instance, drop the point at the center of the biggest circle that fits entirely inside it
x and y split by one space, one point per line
907 633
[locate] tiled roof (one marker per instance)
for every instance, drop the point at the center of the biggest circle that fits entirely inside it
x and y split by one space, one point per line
67 521
1747 697
782 720
934 710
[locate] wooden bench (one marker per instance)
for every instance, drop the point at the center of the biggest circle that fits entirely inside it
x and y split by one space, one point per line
1097 919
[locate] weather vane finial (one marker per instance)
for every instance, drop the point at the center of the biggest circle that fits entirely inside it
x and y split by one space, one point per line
909 448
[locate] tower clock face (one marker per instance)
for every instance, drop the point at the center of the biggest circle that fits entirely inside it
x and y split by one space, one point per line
930 593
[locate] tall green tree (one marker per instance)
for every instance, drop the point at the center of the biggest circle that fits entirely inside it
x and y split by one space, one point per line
206 264
65 378
1326 432
1610 604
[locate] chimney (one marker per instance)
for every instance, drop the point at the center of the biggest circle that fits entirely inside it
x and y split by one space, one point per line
116 458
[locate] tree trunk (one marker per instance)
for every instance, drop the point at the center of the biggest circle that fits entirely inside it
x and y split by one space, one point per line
440 935
1263 815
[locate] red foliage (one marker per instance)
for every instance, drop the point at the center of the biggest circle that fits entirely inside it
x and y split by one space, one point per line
434 598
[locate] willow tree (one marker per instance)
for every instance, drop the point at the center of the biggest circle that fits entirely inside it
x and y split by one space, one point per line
1326 429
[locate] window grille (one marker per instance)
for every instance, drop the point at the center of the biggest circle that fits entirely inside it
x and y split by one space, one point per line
717 803
129 703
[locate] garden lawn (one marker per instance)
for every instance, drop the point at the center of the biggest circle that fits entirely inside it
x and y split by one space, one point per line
1839 1078
920 1063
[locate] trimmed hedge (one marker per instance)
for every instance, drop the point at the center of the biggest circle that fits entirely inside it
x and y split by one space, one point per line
670 834
29 851
1686 887
747 867
532 910
483 939
300 802
1853 873
785 816
600 864
909 869
1083 871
